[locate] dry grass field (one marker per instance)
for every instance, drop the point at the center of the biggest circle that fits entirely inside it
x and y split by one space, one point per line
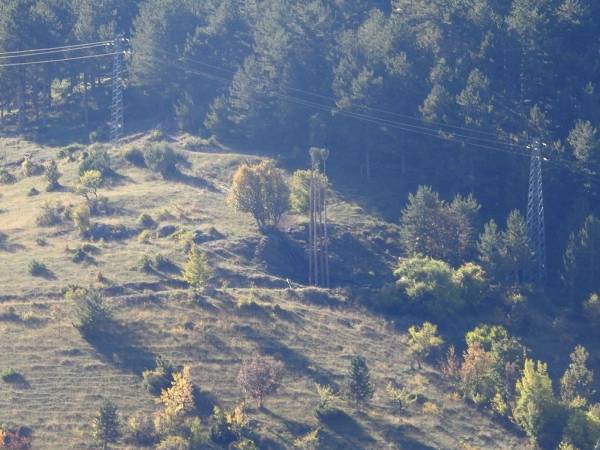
314 332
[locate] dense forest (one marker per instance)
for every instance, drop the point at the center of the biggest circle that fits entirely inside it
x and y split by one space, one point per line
437 101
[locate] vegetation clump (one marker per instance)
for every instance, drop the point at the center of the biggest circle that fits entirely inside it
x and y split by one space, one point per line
359 387
259 377
161 158
260 189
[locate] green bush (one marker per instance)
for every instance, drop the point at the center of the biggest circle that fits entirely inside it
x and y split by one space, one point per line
52 175
427 284
90 315
173 443
471 281
97 159
160 157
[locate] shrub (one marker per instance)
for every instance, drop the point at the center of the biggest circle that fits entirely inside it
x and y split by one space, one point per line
37 268
81 218
160 157
327 397
196 143
90 315
160 378
97 159
244 444
6 177
146 221
145 264
51 215
33 192
400 398
427 284
260 376
310 441
422 341
196 271
52 176
300 190
359 387
135 157
145 236
88 184
592 306
106 425
141 430
260 190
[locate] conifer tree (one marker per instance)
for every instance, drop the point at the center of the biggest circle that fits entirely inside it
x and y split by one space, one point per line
359 388
106 425
577 383
196 271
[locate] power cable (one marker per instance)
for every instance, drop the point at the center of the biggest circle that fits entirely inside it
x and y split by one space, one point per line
87 47
58 60
54 48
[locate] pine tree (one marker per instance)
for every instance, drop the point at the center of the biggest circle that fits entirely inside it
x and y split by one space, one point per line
518 251
52 175
490 249
535 405
360 389
577 383
106 425
196 271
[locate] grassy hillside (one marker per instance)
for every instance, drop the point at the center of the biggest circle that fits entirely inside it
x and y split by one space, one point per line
314 332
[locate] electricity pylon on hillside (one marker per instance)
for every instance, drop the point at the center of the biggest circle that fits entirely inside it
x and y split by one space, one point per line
536 231
318 250
116 110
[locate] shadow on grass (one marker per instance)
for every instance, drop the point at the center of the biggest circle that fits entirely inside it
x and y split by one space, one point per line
339 424
9 247
17 380
294 427
293 360
401 434
119 345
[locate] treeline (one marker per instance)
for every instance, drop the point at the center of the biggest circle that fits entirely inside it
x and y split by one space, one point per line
377 82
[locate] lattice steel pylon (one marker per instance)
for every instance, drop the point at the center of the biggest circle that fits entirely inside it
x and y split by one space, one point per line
116 110
536 231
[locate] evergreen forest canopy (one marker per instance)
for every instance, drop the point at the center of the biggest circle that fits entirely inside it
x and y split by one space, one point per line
449 93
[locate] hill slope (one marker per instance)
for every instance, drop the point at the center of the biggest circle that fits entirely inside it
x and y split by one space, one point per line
314 332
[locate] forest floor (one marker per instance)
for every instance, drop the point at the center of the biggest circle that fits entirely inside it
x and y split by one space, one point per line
314 332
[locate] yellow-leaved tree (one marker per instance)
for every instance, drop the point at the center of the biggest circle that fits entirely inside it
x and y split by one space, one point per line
196 271
260 189
178 401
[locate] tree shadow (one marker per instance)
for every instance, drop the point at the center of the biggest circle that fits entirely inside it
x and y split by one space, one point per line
119 345
342 425
194 181
404 435
205 403
18 381
293 360
45 273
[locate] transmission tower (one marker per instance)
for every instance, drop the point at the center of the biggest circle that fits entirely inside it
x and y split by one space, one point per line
116 111
317 229
535 214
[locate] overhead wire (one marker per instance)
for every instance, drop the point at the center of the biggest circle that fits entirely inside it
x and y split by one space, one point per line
29 63
326 97
48 52
431 132
54 48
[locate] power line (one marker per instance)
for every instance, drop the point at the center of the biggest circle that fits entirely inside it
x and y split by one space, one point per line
368 118
326 97
54 48
57 60
87 47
